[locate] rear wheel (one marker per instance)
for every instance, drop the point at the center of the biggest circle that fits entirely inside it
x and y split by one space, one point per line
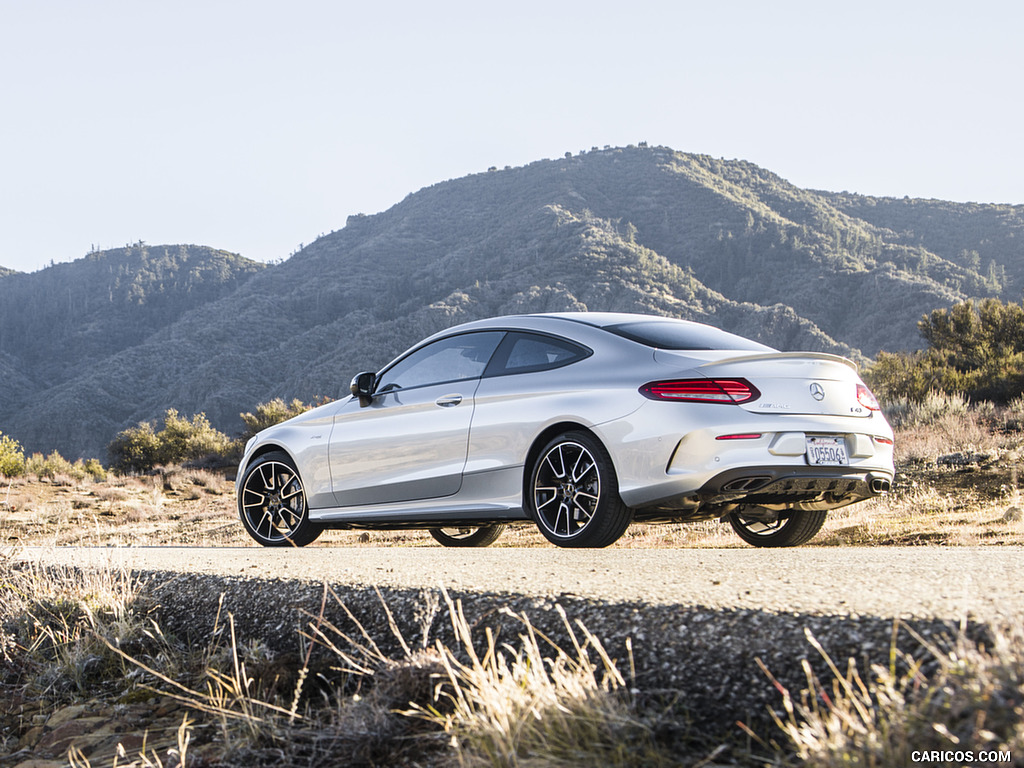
272 503
468 536
573 494
790 531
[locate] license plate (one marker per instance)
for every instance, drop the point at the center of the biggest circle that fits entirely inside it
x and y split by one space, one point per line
827 451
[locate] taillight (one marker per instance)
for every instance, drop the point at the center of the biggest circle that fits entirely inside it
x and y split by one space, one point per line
702 390
866 398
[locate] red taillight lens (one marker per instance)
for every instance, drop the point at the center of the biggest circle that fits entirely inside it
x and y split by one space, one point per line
702 391
743 436
866 398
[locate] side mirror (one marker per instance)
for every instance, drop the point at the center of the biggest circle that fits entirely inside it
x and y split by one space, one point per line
362 386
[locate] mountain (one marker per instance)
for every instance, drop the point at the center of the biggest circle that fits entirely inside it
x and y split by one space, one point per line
633 229
70 318
59 319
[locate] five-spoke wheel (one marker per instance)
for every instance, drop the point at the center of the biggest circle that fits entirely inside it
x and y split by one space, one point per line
573 493
272 503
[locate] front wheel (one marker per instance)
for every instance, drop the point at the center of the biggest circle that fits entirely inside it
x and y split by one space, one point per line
790 531
272 503
573 493
468 536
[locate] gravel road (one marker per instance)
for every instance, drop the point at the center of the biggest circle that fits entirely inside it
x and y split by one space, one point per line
689 625
948 583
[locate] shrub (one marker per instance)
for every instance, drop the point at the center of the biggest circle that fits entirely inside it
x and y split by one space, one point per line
141 448
53 467
1014 414
12 458
95 469
270 413
974 349
135 449
182 440
906 413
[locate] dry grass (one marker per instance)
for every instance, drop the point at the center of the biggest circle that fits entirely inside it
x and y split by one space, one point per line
472 702
959 698
538 704
60 621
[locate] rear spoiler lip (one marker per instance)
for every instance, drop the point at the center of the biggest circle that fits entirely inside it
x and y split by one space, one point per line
783 356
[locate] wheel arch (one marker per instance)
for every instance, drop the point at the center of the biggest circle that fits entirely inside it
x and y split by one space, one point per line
266 448
545 437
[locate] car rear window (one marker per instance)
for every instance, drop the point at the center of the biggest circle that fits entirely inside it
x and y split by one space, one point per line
682 335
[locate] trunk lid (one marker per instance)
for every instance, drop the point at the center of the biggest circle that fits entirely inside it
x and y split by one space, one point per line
790 382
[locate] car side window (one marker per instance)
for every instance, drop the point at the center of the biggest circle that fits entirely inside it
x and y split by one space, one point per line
455 358
527 352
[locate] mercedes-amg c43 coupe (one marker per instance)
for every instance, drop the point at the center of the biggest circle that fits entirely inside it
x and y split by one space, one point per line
582 423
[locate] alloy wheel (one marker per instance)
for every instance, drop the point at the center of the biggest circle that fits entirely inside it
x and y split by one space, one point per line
567 489
273 502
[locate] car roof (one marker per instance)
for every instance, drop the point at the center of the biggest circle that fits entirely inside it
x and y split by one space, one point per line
542 320
588 328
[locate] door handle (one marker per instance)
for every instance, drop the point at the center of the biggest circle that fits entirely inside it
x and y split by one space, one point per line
448 401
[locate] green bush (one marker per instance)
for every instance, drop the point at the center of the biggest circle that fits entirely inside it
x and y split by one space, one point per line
94 469
56 467
135 449
53 466
976 350
182 440
140 448
12 458
270 413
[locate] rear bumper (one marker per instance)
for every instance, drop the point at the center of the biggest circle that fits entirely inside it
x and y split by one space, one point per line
672 452
787 485
818 488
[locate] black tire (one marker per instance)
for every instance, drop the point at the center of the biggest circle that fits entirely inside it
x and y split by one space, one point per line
573 493
468 536
790 531
272 503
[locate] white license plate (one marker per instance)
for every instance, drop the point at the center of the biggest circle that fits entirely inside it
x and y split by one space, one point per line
827 451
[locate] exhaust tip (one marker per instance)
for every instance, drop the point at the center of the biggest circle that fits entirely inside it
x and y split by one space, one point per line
746 484
880 486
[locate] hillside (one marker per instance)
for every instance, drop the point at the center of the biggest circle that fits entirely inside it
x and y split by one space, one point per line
635 229
59 318
62 320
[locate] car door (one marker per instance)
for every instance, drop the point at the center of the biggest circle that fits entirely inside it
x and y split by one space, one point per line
529 383
410 442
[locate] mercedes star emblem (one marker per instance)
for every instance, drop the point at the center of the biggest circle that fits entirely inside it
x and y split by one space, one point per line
817 391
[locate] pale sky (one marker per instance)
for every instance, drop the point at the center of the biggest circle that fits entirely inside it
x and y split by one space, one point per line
254 126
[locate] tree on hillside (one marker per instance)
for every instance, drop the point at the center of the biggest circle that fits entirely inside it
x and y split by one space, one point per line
973 349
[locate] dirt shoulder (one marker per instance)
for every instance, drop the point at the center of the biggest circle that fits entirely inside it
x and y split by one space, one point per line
976 502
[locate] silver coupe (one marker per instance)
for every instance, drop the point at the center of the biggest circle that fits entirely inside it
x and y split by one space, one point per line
582 423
